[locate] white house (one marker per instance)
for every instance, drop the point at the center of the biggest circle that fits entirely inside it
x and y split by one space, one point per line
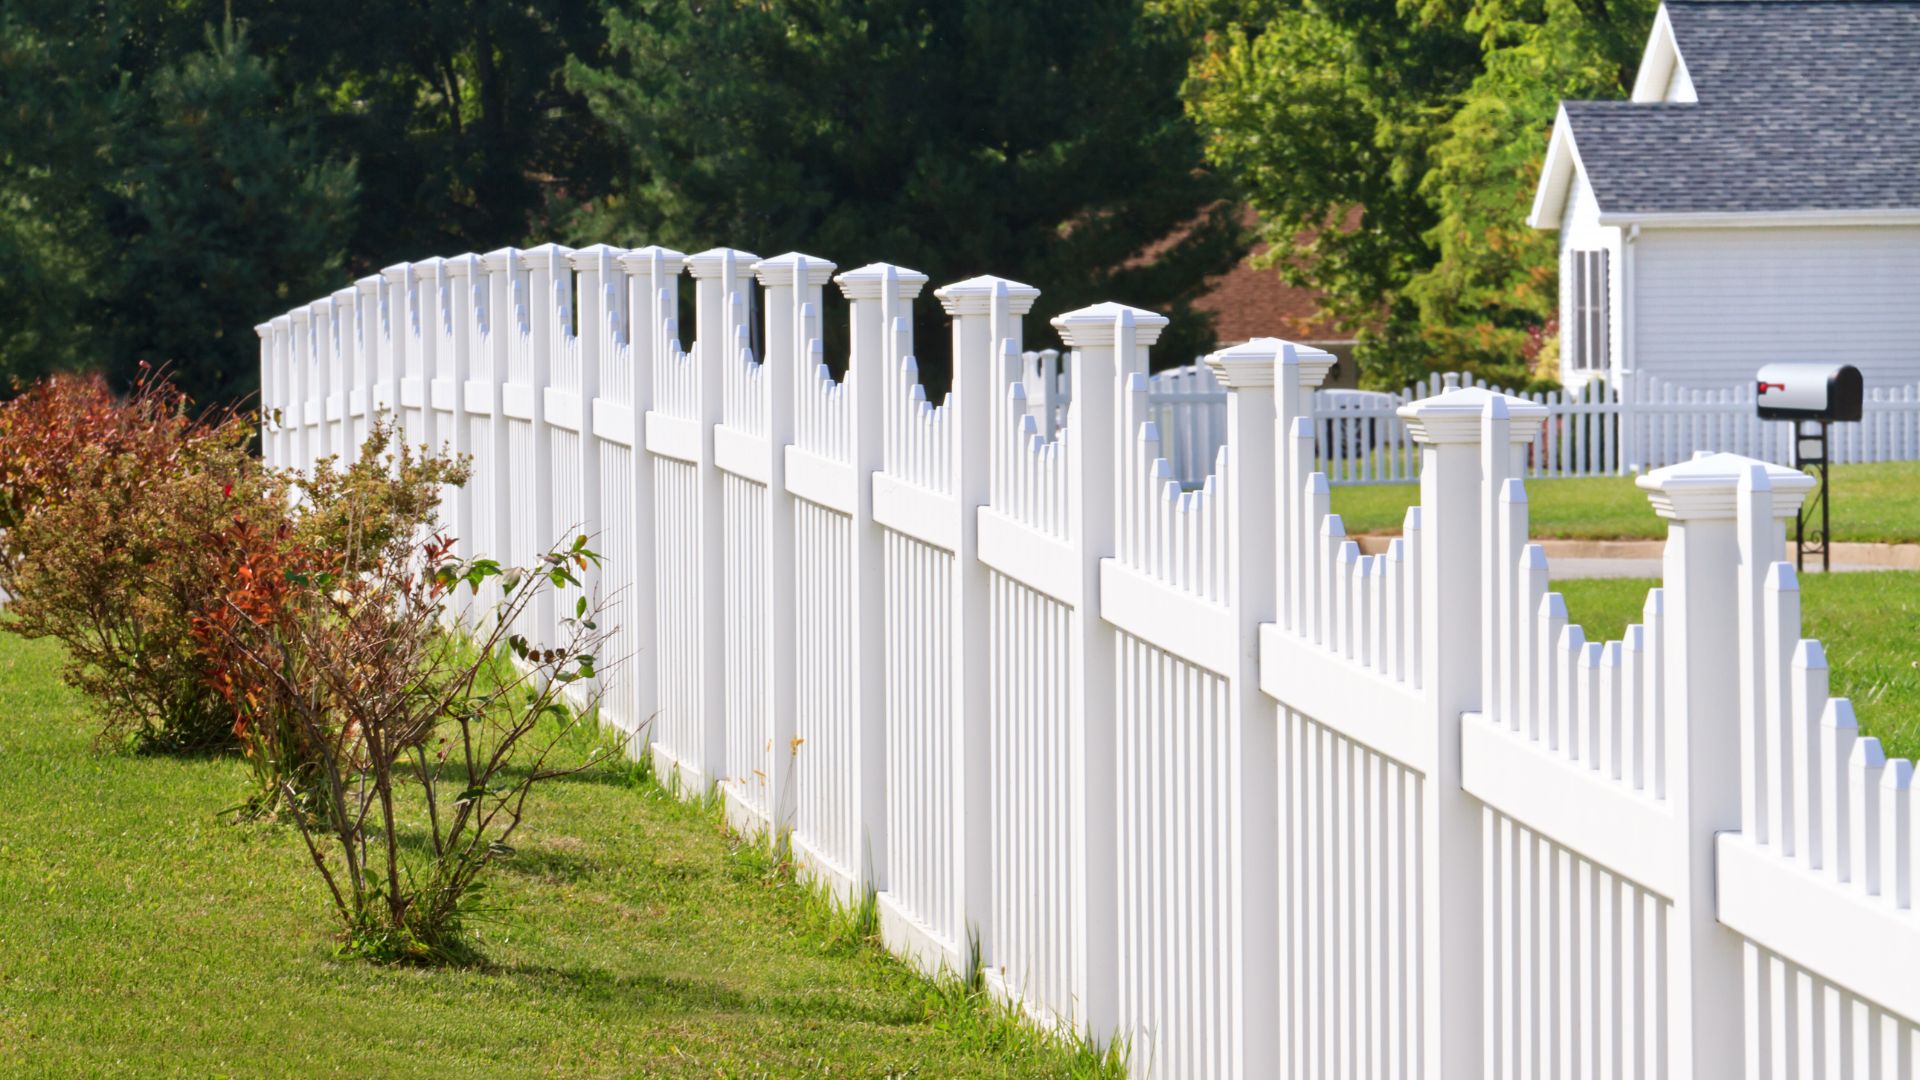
1757 199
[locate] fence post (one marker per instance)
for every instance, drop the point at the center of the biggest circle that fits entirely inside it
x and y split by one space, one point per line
546 271
722 276
879 294
424 279
986 313
1107 341
653 301
1449 429
276 391
463 275
1631 456
598 281
1250 373
794 284
1712 576
395 303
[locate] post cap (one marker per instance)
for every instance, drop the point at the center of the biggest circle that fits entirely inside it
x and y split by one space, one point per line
974 296
784 269
1454 417
501 258
460 266
1310 365
640 262
546 256
1708 486
867 282
396 272
588 258
710 263
1095 325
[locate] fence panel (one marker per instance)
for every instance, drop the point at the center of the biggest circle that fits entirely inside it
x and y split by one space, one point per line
1042 944
1093 689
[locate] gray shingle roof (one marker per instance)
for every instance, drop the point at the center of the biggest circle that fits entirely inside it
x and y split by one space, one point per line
1803 105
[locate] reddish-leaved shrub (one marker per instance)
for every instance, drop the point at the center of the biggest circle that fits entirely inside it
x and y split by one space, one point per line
106 505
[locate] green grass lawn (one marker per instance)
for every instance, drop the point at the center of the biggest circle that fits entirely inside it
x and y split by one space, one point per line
1869 624
1870 503
140 934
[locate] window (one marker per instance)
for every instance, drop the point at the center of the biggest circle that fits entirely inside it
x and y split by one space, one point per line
1587 315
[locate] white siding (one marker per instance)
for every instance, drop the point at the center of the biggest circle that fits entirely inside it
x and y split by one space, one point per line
1711 305
1580 230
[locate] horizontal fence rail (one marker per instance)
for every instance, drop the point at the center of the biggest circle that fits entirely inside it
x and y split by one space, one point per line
1092 695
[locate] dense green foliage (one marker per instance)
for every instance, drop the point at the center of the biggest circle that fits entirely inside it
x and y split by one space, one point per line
154 202
1392 147
172 172
1038 141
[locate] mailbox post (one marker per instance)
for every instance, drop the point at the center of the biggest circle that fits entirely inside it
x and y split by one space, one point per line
1811 397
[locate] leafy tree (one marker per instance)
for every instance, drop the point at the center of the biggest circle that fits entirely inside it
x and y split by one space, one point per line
162 191
1392 148
1493 280
457 111
62 89
1040 141
223 214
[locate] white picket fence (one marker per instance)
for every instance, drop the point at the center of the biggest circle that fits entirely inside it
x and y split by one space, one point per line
1599 431
1178 765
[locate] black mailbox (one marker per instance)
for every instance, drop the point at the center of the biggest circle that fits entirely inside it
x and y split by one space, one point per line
1830 392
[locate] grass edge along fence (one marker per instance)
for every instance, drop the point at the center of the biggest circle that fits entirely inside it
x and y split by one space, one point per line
1181 766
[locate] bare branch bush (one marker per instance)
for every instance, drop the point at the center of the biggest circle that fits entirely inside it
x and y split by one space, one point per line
426 716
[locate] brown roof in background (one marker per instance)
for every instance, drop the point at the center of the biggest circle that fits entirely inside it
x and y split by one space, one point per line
1250 303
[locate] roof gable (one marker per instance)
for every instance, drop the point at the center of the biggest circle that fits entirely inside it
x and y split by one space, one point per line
1808 106
1662 75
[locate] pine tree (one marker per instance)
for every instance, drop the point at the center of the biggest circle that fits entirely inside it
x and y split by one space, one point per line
1041 141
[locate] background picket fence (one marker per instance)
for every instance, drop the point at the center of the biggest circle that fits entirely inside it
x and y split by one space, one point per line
1598 431
1172 762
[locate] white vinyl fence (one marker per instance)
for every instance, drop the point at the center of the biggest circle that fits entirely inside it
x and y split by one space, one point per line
1176 764
1598 431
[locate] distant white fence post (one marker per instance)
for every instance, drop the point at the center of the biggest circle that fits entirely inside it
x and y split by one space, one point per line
1707 587
594 274
721 278
546 268
653 275
277 393
1627 390
466 284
